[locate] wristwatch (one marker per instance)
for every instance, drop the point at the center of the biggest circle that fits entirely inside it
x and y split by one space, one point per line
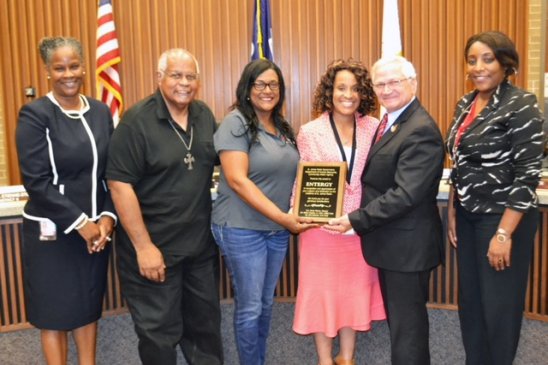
502 235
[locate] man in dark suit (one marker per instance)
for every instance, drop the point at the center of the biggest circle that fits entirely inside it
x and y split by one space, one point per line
399 223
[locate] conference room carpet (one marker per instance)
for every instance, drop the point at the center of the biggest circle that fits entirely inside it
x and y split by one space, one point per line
117 342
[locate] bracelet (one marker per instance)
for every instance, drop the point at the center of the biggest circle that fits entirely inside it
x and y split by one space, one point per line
81 224
501 235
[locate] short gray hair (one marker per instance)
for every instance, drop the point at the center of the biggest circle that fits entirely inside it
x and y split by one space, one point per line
406 67
48 45
175 53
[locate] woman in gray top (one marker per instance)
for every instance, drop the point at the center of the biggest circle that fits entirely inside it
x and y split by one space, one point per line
250 222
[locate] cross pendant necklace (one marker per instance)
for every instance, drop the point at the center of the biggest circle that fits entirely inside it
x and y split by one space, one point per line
188 159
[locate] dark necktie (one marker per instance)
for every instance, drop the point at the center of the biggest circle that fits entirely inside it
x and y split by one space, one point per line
382 127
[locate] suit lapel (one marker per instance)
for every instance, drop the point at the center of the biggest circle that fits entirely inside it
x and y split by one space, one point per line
393 130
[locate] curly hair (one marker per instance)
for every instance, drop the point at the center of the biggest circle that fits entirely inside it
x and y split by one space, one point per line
243 101
323 94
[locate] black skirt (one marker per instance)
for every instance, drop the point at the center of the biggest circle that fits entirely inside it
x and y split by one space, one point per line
64 284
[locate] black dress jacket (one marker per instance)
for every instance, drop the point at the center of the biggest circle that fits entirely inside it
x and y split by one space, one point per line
498 161
398 222
63 158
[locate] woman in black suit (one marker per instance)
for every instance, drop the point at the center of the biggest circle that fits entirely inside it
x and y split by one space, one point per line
62 140
496 145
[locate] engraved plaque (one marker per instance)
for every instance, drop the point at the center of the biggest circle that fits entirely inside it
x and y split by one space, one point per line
320 190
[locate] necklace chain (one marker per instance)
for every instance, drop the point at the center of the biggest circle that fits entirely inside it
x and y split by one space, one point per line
189 159
189 146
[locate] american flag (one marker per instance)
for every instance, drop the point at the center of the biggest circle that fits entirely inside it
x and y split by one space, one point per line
261 45
109 88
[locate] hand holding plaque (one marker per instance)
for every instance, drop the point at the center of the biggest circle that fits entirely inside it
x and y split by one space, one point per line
320 190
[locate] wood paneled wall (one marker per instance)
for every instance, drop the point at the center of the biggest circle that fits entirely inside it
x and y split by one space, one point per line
308 34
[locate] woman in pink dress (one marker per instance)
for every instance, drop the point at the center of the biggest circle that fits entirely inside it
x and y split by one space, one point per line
338 293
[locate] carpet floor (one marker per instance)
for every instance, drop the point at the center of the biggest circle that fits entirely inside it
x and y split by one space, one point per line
117 342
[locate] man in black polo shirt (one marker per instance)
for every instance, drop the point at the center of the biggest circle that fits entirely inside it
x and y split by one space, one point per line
160 163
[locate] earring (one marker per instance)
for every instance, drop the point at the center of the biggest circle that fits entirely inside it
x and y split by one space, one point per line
49 77
515 71
248 98
83 72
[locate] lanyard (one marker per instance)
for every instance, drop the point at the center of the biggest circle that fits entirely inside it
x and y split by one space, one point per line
341 148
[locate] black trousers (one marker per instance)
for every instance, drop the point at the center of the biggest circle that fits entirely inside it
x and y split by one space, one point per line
405 295
183 310
491 302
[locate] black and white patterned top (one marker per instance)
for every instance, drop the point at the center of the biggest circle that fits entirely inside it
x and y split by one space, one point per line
497 163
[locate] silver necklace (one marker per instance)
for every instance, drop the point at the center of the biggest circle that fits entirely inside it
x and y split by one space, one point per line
189 159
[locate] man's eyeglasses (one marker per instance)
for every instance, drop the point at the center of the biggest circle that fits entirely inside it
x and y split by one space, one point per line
261 85
178 76
392 84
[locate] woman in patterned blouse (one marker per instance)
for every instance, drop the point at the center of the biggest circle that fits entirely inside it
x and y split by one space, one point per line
496 145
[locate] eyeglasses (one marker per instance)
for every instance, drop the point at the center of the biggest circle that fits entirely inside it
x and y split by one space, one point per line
392 84
178 76
261 85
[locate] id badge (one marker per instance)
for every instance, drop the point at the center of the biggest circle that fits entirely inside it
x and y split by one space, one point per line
48 231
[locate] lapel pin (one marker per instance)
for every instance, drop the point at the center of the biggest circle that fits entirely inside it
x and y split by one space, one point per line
394 128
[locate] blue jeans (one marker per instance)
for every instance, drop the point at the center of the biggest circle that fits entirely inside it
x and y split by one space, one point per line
254 260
